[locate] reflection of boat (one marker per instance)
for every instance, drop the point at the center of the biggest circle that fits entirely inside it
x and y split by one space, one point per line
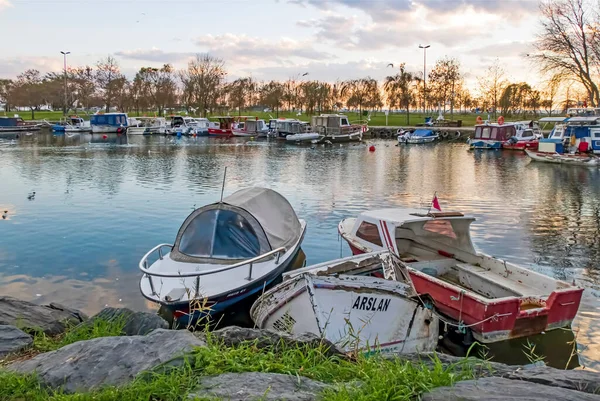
223 253
350 303
336 128
16 124
496 299
109 123
418 136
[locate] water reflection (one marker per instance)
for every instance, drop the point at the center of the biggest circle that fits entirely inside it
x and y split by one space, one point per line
101 203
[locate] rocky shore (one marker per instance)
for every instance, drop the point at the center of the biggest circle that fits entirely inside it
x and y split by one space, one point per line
145 360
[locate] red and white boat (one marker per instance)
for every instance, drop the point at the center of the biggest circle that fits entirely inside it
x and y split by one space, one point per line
495 299
528 135
224 128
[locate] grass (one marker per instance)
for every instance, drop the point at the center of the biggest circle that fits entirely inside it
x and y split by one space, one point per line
362 379
377 118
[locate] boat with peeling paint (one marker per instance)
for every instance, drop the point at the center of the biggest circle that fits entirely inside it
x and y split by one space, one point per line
364 302
493 299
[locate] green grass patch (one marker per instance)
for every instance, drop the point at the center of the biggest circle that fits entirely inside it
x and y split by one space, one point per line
365 378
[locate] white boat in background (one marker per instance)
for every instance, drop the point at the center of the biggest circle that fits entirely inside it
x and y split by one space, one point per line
364 303
336 128
418 136
77 124
250 127
147 125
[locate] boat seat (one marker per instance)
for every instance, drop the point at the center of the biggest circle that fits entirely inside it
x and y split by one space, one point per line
506 284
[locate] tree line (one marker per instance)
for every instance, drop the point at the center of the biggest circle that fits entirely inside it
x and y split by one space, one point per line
567 54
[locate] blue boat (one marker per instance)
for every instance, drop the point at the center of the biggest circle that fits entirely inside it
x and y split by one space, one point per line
109 123
418 136
224 253
491 136
16 125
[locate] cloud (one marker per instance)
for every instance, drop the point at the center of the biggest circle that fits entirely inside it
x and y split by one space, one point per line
389 10
240 49
155 55
5 4
11 67
506 49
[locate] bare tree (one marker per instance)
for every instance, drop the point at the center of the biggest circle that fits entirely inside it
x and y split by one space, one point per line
361 92
569 43
6 86
492 84
154 86
109 79
443 80
552 87
28 91
202 82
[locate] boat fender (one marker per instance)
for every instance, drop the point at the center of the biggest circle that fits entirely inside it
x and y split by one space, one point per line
372 148
479 120
445 134
500 120
104 136
457 134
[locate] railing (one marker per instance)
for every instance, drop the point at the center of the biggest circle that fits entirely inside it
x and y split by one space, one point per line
143 265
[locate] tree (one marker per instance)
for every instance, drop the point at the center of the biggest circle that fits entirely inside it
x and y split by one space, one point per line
398 89
491 85
108 79
6 86
443 80
271 95
240 93
552 87
360 92
569 43
28 91
202 82
154 86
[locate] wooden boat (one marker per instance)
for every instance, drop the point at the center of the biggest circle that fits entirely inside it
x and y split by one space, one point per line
491 136
586 160
250 127
494 299
364 302
16 125
224 129
418 136
223 253
336 128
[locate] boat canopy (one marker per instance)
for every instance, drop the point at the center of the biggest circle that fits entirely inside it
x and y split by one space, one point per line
553 119
244 225
112 119
422 133
495 132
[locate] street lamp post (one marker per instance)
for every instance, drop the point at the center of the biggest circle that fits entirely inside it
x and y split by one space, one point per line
297 79
65 71
424 76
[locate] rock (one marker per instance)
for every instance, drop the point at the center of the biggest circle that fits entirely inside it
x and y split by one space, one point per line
580 380
500 389
77 314
136 323
106 361
482 368
31 317
13 340
258 386
234 335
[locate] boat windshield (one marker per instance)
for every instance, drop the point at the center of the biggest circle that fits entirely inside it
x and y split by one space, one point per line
221 234
451 232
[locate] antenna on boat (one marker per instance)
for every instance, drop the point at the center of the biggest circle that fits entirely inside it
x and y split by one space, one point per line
223 187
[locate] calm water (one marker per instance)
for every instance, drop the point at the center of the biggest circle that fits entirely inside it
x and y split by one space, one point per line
100 204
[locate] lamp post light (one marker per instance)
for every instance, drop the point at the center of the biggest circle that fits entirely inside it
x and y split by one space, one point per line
65 71
424 76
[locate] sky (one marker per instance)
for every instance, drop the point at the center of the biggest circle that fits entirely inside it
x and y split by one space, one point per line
271 39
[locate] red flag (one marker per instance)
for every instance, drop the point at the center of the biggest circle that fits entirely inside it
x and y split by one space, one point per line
436 204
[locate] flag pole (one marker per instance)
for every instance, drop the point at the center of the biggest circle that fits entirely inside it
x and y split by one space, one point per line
431 203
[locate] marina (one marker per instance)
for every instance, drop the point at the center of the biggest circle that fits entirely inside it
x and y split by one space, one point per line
113 182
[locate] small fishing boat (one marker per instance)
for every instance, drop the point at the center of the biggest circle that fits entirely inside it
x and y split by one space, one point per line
250 127
17 124
364 302
336 128
418 136
77 124
147 126
223 253
224 127
527 136
585 160
493 299
492 136
201 126
109 123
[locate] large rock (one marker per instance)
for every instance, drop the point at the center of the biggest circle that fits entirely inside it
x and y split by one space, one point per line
258 386
136 323
107 361
13 340
231 336
30 317
580 380
500 389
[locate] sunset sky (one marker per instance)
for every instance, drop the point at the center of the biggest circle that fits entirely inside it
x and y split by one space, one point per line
271 39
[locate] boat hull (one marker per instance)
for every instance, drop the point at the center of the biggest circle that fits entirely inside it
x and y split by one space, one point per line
557 158
521 145
136 130
483 144
306 138
108 129
352 137
220 132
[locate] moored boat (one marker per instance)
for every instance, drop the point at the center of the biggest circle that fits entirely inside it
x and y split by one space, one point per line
306 137
250 127
336 128
494 299
360 303
147 126
109 123
224 127
224 253
16 125
492 136
418 136
527 136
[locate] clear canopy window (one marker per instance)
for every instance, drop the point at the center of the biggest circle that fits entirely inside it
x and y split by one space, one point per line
221 234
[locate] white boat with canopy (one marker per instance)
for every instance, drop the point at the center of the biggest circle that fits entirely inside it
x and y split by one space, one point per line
223 253
364 302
